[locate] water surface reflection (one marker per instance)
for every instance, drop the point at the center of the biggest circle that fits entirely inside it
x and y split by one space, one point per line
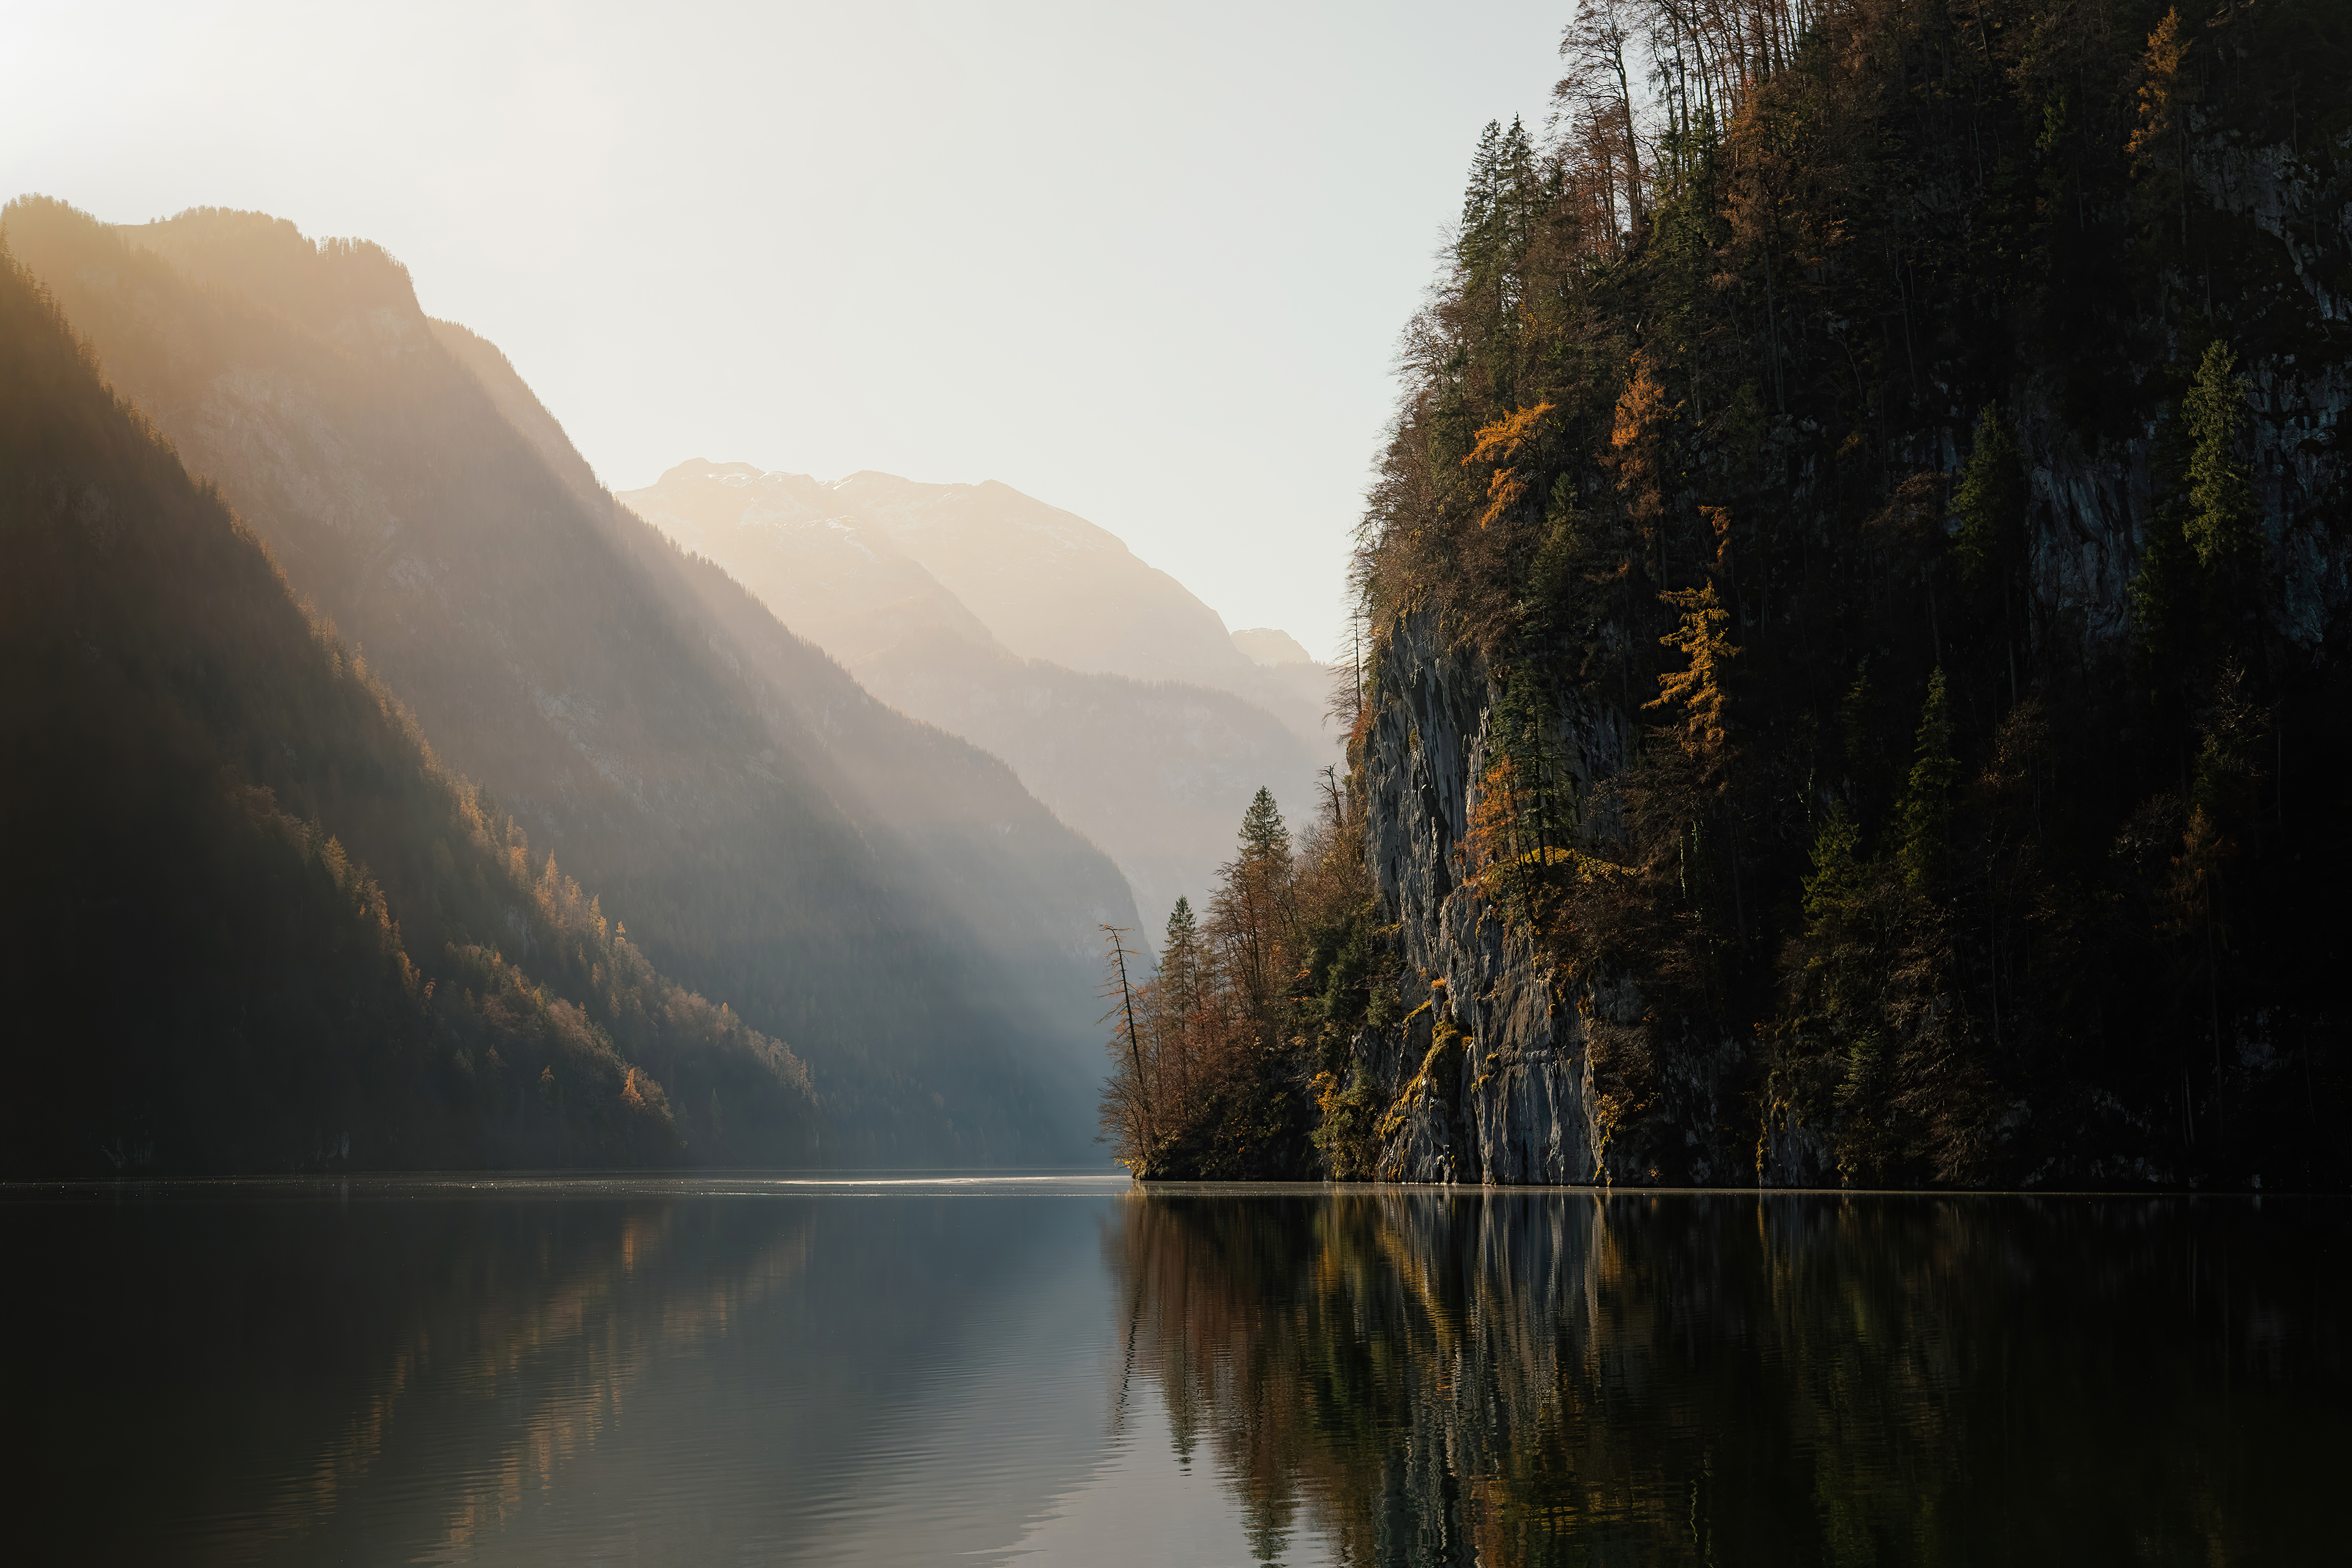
1509 1378
1068 1373
561 1372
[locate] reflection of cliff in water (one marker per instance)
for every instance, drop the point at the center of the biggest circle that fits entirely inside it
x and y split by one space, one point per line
1570 1378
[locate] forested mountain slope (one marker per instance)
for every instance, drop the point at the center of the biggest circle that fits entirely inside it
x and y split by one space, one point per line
252 922
705 773
1859 586
1156 772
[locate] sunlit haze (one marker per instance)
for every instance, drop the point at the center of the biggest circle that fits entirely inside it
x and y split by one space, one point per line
1145 263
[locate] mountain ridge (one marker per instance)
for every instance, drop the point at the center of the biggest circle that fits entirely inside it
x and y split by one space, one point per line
235 954
566 656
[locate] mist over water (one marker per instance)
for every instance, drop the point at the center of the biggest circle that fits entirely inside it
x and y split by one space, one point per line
1060 1369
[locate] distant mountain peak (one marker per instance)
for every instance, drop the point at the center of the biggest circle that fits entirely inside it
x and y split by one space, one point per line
703 467
1271 647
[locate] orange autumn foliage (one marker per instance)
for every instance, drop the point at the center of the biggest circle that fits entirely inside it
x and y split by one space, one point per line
1500 443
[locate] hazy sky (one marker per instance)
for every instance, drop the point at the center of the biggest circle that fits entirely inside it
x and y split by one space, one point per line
1147 263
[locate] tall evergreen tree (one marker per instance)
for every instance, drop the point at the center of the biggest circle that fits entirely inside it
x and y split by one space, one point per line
1990 502
1498 218
1251 913
1928 801
2221 524
1183 963
1835 884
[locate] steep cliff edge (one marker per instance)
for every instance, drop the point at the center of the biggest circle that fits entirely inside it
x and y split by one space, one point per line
1975 827
1490 1076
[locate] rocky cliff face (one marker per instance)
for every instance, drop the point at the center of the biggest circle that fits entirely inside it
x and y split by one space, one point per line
1489 1075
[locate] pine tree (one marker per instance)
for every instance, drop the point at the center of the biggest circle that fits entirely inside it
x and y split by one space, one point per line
1184 977
1185 1023
1990 502
1926 803
2156 589
2221 524
1475 241
2159 151
1502 444
1264 838
1250 916
1498 217
1692 790
1835 885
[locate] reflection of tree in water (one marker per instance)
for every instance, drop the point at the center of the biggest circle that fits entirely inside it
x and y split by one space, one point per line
1572 1378
554 1326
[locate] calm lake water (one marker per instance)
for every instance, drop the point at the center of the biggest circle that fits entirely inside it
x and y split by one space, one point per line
1060 1371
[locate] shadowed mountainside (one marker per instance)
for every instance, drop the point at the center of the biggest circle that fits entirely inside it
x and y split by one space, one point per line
253 924
884 897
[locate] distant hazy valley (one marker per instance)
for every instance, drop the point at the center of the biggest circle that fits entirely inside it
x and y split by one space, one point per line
1118 697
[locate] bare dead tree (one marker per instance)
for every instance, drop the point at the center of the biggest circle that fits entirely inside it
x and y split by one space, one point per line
1131 1102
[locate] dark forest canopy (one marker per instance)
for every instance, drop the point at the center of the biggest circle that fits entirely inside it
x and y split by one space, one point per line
1885 464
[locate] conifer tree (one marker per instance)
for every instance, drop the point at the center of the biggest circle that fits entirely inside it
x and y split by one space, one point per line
1926 803
2221 522
1835 883
1474 242
2159 151
2156 589
1990 502
1636 437
1703 638
1853 718
1251 913
1184 962
1264 837
1498 216
1689 793
1502 444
